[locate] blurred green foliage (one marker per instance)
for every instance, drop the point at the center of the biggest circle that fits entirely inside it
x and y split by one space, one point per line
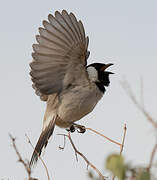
143 175
116 164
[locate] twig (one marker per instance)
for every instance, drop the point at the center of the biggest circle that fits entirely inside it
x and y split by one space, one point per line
104 136
124 135
79 153
88 163
46 169
64 135
122 145
152 156
129 92
142 94
26 165
62 147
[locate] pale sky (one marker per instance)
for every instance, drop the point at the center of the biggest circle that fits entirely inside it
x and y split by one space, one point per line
120 32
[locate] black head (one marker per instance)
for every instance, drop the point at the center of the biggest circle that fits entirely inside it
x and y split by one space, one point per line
99 75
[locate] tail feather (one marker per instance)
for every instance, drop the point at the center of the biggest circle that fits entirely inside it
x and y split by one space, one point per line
42 142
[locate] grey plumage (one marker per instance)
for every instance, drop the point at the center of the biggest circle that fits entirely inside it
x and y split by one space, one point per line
60 77
42 142
61 43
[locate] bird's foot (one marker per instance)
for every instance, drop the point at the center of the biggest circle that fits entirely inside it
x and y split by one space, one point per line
71 129
80 128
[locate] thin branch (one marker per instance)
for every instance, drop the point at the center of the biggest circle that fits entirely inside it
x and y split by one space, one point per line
129 92
64 143
123 140
142 94
64 135
26 165
84 157
152 156
104 136
46 169
122 145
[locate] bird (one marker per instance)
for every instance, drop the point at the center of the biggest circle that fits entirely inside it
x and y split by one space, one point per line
61 76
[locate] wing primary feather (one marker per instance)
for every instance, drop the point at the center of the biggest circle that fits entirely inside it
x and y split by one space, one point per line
50 43
53 59
47 57
35 65
66 26
41 49
87 42
49 34
54 23
82 30
68 21
75 24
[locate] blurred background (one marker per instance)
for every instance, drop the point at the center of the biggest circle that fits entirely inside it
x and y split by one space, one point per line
120 32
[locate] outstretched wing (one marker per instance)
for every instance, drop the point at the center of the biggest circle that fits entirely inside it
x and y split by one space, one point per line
61 43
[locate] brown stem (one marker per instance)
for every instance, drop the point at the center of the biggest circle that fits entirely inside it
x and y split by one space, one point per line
84 157
26 165
122 145
46 169
124 135
104 136
62 147
129 92
152 156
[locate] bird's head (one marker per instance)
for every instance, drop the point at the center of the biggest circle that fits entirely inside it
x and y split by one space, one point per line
97 73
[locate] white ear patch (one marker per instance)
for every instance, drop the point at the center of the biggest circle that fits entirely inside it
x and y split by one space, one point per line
92 73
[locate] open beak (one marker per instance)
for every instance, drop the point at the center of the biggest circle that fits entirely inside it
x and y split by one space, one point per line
106 66
108 72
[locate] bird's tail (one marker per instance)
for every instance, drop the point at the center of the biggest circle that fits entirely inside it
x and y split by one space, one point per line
42 142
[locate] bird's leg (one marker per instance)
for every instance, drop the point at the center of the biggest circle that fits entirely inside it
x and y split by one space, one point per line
71 129
80 128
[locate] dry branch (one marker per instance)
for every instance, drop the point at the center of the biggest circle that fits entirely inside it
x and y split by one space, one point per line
25 164
122 145
109 139
126 86
130 93
152 156
124 135
46 169
83 156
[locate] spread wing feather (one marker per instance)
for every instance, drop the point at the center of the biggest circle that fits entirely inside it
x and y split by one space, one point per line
60 43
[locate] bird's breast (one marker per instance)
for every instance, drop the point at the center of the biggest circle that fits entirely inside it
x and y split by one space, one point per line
77 102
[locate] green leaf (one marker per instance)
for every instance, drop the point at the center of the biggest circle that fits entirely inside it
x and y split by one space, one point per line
143 175
115 163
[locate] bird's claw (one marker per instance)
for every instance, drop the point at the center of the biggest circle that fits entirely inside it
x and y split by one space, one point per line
71 129
81 129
